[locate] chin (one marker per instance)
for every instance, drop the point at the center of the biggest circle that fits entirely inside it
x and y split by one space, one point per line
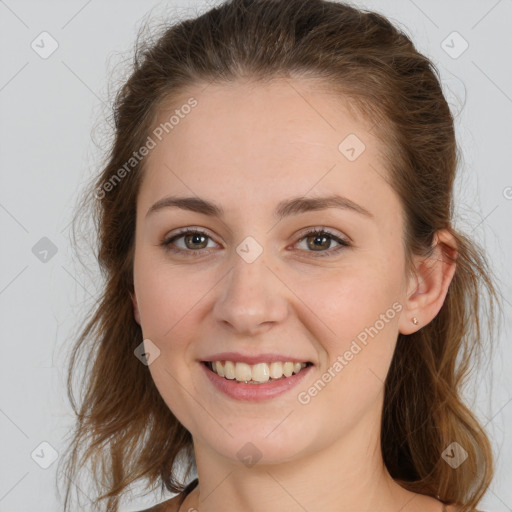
250 446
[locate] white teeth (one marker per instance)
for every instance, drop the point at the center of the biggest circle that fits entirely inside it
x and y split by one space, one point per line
242 372
218 368
257 373
288 369
260 372
276 370
229 369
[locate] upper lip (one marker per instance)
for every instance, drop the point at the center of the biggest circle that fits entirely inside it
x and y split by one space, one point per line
253 359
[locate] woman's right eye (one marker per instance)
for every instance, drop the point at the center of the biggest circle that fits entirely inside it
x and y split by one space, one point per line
190 236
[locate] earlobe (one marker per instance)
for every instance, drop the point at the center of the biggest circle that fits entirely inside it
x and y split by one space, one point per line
136 313
431 282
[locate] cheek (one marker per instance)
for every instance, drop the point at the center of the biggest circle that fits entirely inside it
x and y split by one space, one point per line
166 295
349 300
360 306
361 311
169 301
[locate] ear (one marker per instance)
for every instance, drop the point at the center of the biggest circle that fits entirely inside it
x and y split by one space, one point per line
136 312
427 289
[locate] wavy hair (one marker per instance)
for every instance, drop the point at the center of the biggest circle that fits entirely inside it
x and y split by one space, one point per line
124 431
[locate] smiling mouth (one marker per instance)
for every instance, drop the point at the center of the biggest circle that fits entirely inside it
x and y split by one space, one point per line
260 373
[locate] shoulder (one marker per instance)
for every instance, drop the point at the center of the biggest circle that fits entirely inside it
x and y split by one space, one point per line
171 505
454 508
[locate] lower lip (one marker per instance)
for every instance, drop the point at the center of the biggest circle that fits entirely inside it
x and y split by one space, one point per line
254 392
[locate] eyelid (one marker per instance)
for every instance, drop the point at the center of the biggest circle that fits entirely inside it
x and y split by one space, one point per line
331 231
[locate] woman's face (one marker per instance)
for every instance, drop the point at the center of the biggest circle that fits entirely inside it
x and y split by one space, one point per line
258 284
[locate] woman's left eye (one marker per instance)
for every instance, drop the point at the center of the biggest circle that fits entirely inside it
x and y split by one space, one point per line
316 239
320 237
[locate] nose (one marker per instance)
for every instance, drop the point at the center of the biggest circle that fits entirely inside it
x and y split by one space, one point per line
252 298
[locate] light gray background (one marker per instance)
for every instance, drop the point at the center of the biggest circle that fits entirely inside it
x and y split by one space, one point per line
49 109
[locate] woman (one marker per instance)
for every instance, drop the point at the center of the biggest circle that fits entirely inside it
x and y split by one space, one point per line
286 296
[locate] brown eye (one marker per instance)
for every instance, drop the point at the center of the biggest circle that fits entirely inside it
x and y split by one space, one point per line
320 240
195 242
195 239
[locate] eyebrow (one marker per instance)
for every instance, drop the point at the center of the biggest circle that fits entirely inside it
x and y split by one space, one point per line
285 208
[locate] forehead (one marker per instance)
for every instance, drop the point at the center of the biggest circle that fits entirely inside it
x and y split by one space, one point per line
260 142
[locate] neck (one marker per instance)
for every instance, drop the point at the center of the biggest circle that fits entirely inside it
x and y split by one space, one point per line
348 474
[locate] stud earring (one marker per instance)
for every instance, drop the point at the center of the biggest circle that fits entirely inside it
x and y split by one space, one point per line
415 321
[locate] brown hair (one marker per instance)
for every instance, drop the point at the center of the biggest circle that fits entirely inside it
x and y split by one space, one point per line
124 429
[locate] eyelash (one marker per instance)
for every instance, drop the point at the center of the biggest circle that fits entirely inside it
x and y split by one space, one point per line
314 232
